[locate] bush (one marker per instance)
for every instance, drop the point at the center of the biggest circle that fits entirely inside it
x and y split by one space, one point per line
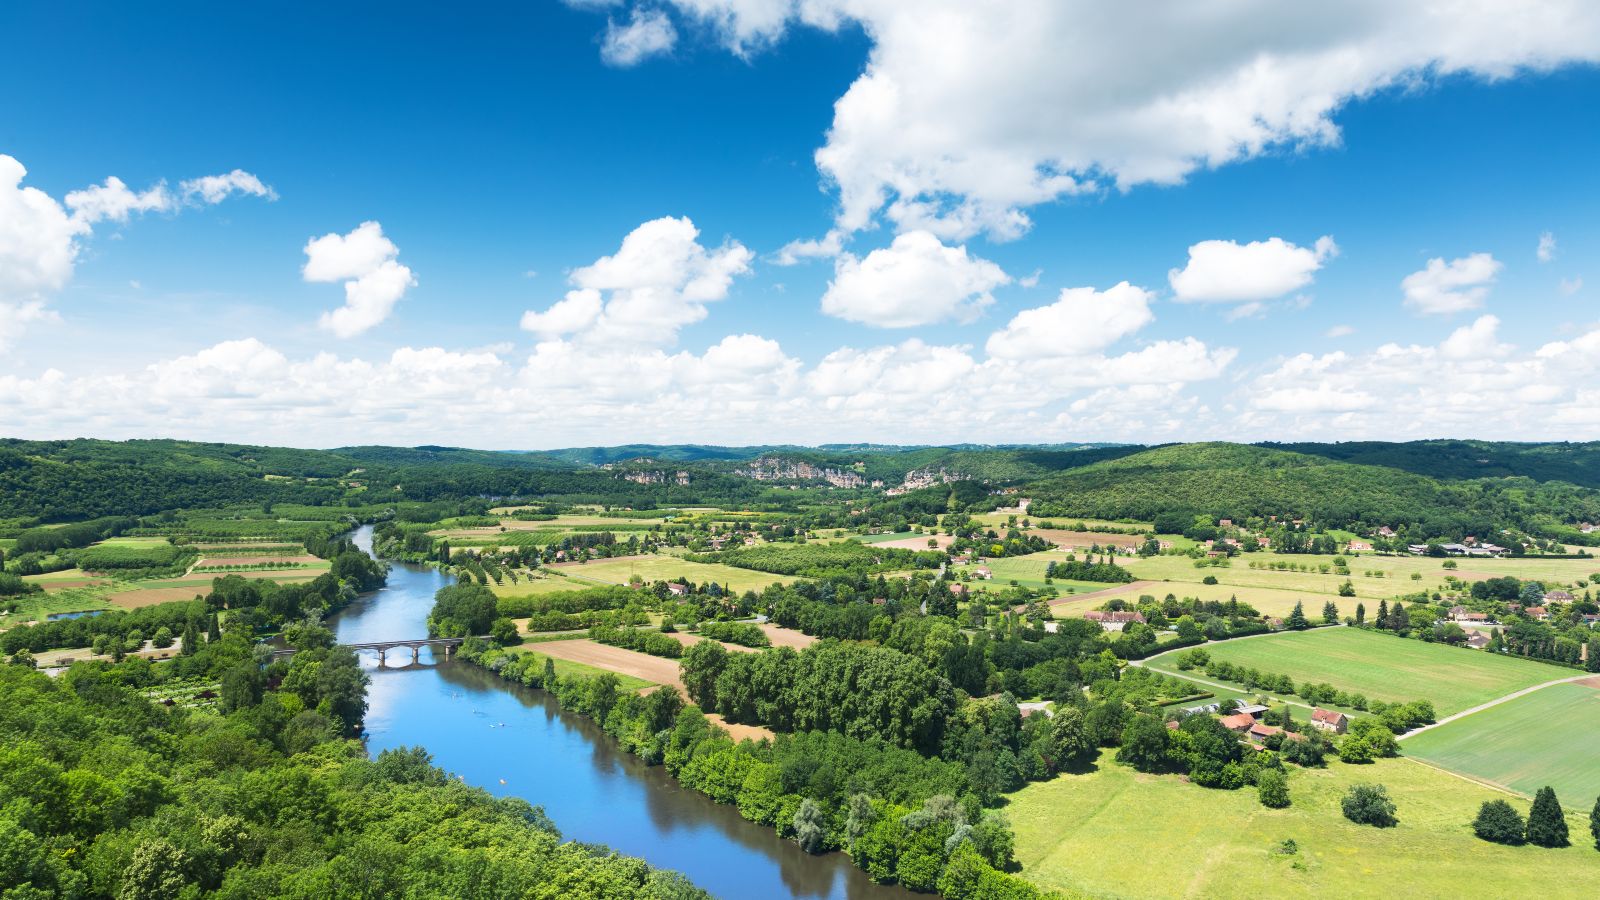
1369 804
1209 579
504 632
1498 822
1272 786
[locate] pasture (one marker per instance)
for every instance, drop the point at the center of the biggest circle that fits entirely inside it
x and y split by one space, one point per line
1076 833
656 567
1547 737
1381 666
1267 601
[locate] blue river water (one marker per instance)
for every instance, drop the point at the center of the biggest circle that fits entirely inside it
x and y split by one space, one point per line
516 741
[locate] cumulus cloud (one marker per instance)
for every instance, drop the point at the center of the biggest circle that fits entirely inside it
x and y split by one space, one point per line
1119 96
374 280
1570 286
647 33
1547 247
916 280
40 238
1469 383
659 281
1451 287
825 247
214 189
1080 321
1339 331
1228 272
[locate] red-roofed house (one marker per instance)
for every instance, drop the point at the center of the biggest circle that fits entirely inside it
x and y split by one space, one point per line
1113 621
1329 720
1239 722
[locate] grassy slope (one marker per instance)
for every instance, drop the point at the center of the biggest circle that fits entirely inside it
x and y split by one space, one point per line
1384 667
1548 737
666 568
1117 833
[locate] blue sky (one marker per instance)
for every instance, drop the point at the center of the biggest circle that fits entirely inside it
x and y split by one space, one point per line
975 162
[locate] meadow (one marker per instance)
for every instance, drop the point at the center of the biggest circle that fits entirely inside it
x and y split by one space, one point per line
1095 833
1545 738
1267 601
1381 666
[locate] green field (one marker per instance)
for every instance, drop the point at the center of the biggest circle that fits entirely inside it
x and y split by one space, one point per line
1117 833
1383 667
1546 738
1266 601
533 586
667 568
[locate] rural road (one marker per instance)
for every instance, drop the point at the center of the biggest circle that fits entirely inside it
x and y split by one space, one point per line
1218 684
1495 702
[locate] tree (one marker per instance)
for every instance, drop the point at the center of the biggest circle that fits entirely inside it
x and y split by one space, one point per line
1330 613
504 632
1361 613
213 630
1073 741
1547 824
1369 804
1594 823
1591 660
1498 822
1347 589
1297 617
1144 744
810 826
191 639
1272 786
1383 614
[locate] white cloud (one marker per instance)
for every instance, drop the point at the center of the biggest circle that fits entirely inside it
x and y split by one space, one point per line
1468 384
1570 286
1475 340
648 33
214 189
825 247
1547 247
1339 331
659 281
1227 272
115 201
1097 95
1444 288
916 280
40 240
1080 321
374 280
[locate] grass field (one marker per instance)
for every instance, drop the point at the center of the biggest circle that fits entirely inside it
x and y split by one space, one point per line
1117 833
533 586
1548 737
1382 667
1267 601
666 568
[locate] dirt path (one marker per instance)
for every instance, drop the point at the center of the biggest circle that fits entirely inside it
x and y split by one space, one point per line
1493 703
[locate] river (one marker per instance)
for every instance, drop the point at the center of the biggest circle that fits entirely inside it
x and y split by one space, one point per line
515 741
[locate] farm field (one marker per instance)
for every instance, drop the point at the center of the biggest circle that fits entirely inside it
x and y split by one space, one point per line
1268 601
1381 666
659 567
1215 843
533 586
906 540
787 637
1547 737
1397 571
1028 571
565 665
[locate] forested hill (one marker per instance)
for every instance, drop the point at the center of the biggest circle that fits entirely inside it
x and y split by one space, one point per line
1238 481
1575 463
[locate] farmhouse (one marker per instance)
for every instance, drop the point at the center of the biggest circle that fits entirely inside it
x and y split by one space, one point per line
677 589
1558 596
1462 614
1240 723
1330 720
1259 732
1537 612
1385 531
1113 621
1359 547
1478 640
982 572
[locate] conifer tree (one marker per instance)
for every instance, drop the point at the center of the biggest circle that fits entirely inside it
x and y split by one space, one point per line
1594 823
191 639
1547 824
213 630
1297 619
1383 614
1330 612
1361 613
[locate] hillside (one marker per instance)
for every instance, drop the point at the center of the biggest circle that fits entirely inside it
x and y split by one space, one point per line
1576 463
1237 481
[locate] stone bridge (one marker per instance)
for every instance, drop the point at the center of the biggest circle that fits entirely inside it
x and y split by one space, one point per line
449 646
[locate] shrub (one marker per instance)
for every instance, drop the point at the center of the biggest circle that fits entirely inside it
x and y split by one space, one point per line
1498 822
1369 804
1272 786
